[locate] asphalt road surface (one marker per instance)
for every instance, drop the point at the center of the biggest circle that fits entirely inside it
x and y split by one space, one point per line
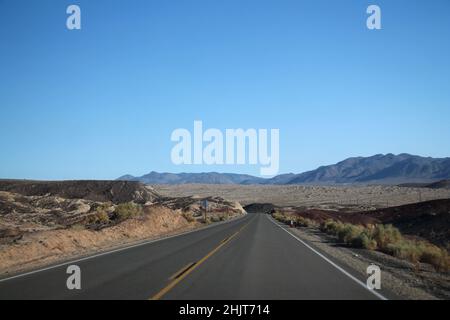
250 258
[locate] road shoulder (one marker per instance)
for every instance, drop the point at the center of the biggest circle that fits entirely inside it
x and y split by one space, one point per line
398 276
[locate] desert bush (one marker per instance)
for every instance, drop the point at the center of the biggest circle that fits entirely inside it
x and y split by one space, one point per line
385 235
188 216
312 223
101 215
406 250
365 241
105 206
127 210
276 215
437 257
207 220
421 251
280 217
332 227
371 237
300 221
349 232
325 226
389 240
296 219
354 235
304 222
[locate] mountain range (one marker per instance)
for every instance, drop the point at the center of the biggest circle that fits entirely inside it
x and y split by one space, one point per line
377 169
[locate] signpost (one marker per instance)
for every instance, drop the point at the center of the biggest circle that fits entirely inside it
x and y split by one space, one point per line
205 208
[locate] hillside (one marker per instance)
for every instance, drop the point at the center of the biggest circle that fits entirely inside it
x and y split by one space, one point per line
186 178
382 169
93 190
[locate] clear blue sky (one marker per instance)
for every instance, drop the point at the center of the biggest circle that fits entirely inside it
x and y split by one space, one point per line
103 101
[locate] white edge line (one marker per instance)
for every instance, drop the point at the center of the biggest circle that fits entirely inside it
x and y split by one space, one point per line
118 250
378 295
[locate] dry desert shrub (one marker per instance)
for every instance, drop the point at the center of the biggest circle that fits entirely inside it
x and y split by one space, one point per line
297 220
188 216
389 239
127 210
385 235
421 251
101 215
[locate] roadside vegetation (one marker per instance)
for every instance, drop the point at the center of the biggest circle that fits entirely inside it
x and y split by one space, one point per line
101 214
297 220
384 238
188 216
127 210
209 219
219 218
107 214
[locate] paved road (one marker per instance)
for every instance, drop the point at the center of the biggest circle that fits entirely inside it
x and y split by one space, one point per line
249 258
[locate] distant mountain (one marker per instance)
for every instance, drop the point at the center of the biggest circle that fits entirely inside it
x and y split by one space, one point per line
377 169
203 178
383 169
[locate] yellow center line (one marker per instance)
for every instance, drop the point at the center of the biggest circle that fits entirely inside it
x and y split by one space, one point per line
182 270
176 281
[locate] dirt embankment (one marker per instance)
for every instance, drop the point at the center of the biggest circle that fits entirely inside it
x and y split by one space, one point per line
45 247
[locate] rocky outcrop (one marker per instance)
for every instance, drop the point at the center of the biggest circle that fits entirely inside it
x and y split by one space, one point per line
194 205
100 191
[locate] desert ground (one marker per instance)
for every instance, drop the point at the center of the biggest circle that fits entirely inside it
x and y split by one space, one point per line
43 223
334 197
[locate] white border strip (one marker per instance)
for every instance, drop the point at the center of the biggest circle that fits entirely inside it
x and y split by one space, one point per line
119 249
378 295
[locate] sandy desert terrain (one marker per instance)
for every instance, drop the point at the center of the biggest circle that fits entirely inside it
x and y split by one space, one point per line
336 197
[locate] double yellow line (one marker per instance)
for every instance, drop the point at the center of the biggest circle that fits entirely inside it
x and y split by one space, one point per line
177 278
